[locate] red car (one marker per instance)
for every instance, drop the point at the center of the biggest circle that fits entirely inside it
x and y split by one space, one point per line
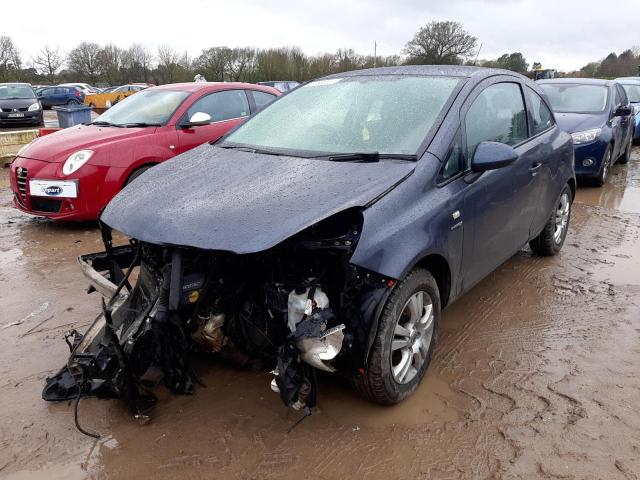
72 174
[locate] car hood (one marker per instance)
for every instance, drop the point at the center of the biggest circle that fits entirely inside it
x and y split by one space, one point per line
18 103
57 147
221 199
578 122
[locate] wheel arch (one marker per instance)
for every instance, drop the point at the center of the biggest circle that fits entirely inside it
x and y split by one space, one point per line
572 186
438 266
145 164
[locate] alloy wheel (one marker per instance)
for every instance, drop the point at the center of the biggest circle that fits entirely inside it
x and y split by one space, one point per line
562 218
412 337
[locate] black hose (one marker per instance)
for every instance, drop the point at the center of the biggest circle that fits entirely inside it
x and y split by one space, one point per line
75 418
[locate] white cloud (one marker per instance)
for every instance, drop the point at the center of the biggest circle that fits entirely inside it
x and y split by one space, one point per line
561 34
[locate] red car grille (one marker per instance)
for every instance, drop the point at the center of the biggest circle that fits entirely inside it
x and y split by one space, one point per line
21 181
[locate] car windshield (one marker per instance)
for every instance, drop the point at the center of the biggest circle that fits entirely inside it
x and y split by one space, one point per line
633 91
575 98
149 107
10 92
385 114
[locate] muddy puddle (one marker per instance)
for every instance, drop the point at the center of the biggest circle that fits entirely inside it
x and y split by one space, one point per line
535 375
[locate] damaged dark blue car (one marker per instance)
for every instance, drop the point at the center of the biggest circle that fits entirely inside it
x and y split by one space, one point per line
325 233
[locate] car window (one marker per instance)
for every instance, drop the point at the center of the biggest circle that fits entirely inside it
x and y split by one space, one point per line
453 162
387 114
540 117
617 97
60 91
621 96
262 99
632 91
576 98
496 115
223 105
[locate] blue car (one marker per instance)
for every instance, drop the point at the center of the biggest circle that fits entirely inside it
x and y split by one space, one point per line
599 117
60 95
333 246
631 86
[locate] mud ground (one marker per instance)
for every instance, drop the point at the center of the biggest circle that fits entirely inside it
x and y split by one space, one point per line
535 375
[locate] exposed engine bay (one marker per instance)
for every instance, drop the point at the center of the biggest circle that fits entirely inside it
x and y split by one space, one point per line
294 309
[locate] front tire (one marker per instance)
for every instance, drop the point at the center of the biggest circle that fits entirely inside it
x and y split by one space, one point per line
405 341
601 179
137 173
550 240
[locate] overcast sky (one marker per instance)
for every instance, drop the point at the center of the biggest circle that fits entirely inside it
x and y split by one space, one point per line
562 34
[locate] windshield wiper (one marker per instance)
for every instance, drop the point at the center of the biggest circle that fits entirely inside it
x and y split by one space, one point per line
139 124
364 157
102 123
242 148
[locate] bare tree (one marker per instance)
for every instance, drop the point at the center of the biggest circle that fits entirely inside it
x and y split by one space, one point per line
10 60
440 43
84 60
168 60
110 64
137 61
48 63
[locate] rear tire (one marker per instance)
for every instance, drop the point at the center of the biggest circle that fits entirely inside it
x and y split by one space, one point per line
405 341
73 102
626 156
550 240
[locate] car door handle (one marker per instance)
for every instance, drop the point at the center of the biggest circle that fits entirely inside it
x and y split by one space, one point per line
534 168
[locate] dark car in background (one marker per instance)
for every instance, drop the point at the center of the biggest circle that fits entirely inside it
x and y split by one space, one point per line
631 86
325 233
60 95
282 85
19 105
599 117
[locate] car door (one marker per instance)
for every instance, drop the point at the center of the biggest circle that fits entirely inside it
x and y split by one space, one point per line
495 112
59 96
227 108
45 97
535 168
617 124
625 121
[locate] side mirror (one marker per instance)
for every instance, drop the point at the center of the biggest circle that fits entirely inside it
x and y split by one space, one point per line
198 119
491 156
623 111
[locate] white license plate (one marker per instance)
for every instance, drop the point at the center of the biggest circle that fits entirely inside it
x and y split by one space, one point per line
16 115
53 188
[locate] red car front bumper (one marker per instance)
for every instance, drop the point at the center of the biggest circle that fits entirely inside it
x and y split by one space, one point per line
96 186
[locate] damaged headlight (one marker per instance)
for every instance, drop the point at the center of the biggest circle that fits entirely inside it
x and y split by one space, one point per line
75 161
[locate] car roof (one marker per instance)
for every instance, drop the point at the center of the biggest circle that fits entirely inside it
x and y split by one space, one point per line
430 70
17 83
627 79
198 86
579 81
